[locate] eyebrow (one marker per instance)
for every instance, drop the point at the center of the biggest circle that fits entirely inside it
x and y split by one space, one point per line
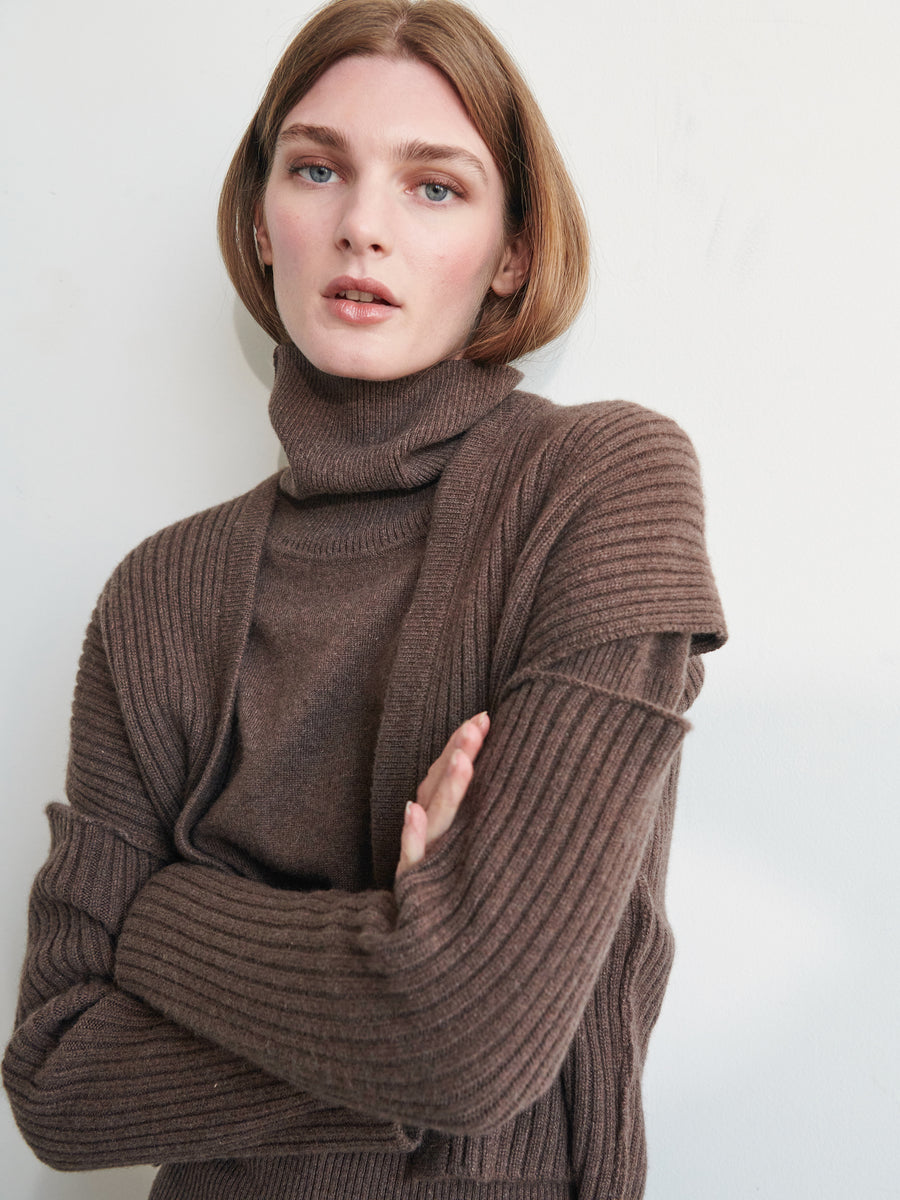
322 135
419 151
411 150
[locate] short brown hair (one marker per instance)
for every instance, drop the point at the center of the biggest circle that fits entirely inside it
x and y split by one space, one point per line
542 204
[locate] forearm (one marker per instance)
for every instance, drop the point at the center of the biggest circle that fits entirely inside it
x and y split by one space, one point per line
125 1085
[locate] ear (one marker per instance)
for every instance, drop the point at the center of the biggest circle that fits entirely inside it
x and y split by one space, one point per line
514 267
263 242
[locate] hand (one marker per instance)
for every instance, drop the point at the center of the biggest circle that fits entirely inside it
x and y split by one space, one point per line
438 796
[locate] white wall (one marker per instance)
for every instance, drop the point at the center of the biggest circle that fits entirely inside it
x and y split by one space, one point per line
739 163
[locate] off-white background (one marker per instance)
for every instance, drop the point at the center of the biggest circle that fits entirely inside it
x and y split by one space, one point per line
739 161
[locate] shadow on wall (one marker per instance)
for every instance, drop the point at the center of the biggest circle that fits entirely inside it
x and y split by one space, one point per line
130 1183
255 343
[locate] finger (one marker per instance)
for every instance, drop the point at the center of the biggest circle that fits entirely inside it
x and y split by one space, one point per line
483 724
412 838
483 721
468 738
448 795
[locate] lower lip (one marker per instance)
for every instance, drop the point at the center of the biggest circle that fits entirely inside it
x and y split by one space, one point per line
355 312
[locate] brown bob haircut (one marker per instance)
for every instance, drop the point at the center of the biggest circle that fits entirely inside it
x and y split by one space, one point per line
542 206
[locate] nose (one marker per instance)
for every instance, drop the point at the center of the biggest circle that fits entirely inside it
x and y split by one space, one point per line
363 225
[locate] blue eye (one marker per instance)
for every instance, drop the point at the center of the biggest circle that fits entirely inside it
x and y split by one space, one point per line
437 191
316 172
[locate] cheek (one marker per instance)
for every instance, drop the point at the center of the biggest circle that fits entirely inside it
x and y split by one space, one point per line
468 268
290 234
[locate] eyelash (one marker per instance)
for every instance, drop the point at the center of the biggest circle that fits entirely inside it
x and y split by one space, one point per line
453 188
296 168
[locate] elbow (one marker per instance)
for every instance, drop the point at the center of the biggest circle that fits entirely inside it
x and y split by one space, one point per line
61 1156
58 1143
41 1121
52 1120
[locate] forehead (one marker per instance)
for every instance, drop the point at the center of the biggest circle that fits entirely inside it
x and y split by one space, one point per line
375 100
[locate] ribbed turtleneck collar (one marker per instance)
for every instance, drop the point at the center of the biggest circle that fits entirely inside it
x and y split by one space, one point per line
350 436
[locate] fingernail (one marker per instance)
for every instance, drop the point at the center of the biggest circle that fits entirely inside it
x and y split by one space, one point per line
406 811
482 719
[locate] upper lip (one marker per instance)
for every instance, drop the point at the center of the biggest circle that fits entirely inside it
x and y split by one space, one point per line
347 283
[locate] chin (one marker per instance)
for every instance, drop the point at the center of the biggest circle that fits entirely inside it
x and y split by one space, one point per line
373 372
375 364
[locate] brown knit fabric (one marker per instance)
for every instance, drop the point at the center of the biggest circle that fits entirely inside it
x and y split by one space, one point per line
491 1013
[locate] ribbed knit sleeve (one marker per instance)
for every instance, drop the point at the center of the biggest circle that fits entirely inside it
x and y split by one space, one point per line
451 1003
95 1077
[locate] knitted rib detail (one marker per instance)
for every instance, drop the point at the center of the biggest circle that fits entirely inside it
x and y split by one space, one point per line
337 1177
72 908
337 528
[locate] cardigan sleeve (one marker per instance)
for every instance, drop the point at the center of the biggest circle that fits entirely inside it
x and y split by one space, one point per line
95 1076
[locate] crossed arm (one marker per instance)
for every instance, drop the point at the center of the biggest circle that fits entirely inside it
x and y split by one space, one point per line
115 1060
450 1002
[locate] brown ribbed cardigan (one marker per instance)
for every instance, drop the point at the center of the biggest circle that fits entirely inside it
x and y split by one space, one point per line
477 1030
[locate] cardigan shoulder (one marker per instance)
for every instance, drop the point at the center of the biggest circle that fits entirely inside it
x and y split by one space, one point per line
618 528
600 441
171 563
573 455
181 592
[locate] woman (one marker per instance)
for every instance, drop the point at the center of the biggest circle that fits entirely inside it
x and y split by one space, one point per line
272 948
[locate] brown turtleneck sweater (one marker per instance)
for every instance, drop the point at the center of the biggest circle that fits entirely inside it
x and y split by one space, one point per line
192 995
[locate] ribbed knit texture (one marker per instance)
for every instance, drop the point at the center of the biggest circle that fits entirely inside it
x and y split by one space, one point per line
479 1030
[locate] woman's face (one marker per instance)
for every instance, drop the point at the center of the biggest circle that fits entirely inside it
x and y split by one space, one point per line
383 221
